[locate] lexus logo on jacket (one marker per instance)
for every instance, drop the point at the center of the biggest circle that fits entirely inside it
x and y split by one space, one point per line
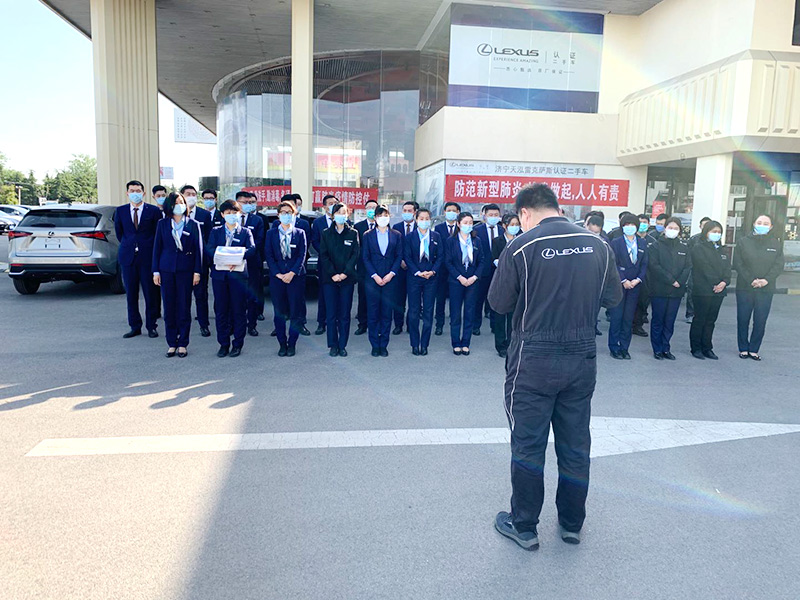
549 253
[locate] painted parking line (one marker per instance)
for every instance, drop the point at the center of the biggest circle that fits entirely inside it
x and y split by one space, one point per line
610 436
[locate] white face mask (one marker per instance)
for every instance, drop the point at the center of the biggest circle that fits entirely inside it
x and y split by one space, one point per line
382 221
191 201
671 234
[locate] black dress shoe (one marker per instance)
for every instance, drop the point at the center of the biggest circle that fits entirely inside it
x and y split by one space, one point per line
423 352
397 330
152 333
710 355
658 356
415 351
698 354
320 330
274 333
645 320
384 352
334 352
305 331
465 352
235 352
626 355
502 353
291 351
282 351
205 332
132 333
171 353
457 351
260 318
476 332
639 331
342 352
376 352
668 355
438 331
616 354
222 352
361 330
253 331
183 354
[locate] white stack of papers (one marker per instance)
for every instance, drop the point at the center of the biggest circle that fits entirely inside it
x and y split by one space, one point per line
229 256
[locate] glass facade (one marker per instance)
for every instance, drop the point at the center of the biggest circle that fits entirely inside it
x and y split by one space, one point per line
366 111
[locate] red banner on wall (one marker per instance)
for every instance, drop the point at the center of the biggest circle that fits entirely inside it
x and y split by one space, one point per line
270 195
503 189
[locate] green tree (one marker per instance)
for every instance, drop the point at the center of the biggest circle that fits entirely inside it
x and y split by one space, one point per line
13 185
76 183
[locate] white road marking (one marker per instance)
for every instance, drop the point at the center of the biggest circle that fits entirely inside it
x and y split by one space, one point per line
610 436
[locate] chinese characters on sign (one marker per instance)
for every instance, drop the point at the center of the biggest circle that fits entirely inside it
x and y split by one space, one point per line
354 197
504 189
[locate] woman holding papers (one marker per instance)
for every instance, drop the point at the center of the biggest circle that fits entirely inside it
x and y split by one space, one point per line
176 268
285 251
229 246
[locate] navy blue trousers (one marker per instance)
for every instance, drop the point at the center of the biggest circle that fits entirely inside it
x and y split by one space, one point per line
483 291
380 304
361 311
322 315
139 275
176 293
287 304
230 309
662 325
621 330
442 293
401 294
338 304
421 300
201 297
463 300
255 291
755 305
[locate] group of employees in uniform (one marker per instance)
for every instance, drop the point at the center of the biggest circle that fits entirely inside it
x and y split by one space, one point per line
171 247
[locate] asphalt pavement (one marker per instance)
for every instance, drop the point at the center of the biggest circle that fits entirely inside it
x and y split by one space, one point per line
318 515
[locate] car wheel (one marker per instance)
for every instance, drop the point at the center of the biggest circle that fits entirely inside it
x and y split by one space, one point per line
115 283
26 286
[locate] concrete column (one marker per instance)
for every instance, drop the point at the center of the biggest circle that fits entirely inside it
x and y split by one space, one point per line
712 188
126 95
302 98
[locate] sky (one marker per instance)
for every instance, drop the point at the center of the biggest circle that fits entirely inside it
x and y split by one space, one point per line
47 100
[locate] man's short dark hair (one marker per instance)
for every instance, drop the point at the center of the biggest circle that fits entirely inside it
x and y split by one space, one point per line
188 186
644 217
629 219
241 194
536 197
704 219
423 210
287 198
411 203
230 205
158 188
370 201
297 198
491 206
454 204
328 197
210 191
594 220
662 217
623 213
133 182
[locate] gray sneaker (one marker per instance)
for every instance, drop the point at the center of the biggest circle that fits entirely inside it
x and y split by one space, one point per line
570 537
529 540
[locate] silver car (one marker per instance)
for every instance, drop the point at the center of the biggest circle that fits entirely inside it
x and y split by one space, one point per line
73 242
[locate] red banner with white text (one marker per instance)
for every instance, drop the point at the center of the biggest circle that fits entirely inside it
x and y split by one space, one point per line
270 195
503 189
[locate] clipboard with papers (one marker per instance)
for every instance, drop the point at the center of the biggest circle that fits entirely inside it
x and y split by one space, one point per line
226 257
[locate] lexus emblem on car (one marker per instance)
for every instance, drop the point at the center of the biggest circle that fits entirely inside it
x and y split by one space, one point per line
51 233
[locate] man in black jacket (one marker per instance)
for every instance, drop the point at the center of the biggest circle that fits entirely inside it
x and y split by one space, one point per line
689 299
554 278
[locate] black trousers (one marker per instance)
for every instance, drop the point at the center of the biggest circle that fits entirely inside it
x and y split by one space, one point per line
641 306
501 325
543 388
706 311
755 305
361 311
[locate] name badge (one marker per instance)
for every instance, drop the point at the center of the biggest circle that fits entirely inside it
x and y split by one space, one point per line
186 233
249 226
292 245
237 240
681 253
771 250
348 242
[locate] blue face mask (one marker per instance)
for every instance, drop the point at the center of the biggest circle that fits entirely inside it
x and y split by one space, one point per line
629 230
179 209
160 200
248 208
761 229
340 219
135 197
492 221
370 213
285 219
408 217
513 229
465 229
209 204
233 218
660 228
643 227
714 237
451 215
424 225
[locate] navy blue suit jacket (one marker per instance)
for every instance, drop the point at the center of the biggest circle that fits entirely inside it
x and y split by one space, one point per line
628 270
455 266
256 226
166 256
411 254
203 217
482 233
319 225
216 218
444 233
132 239
241 239
376 263
272 251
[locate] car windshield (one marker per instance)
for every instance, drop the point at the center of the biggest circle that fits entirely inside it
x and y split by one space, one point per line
60 218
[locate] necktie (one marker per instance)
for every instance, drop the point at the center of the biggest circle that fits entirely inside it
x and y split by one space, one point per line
426 247
136 218
491 232
465 255
286 250
450 229
633 253
371 226
408 229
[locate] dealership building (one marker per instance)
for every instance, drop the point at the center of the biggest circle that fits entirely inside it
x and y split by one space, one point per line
690 107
